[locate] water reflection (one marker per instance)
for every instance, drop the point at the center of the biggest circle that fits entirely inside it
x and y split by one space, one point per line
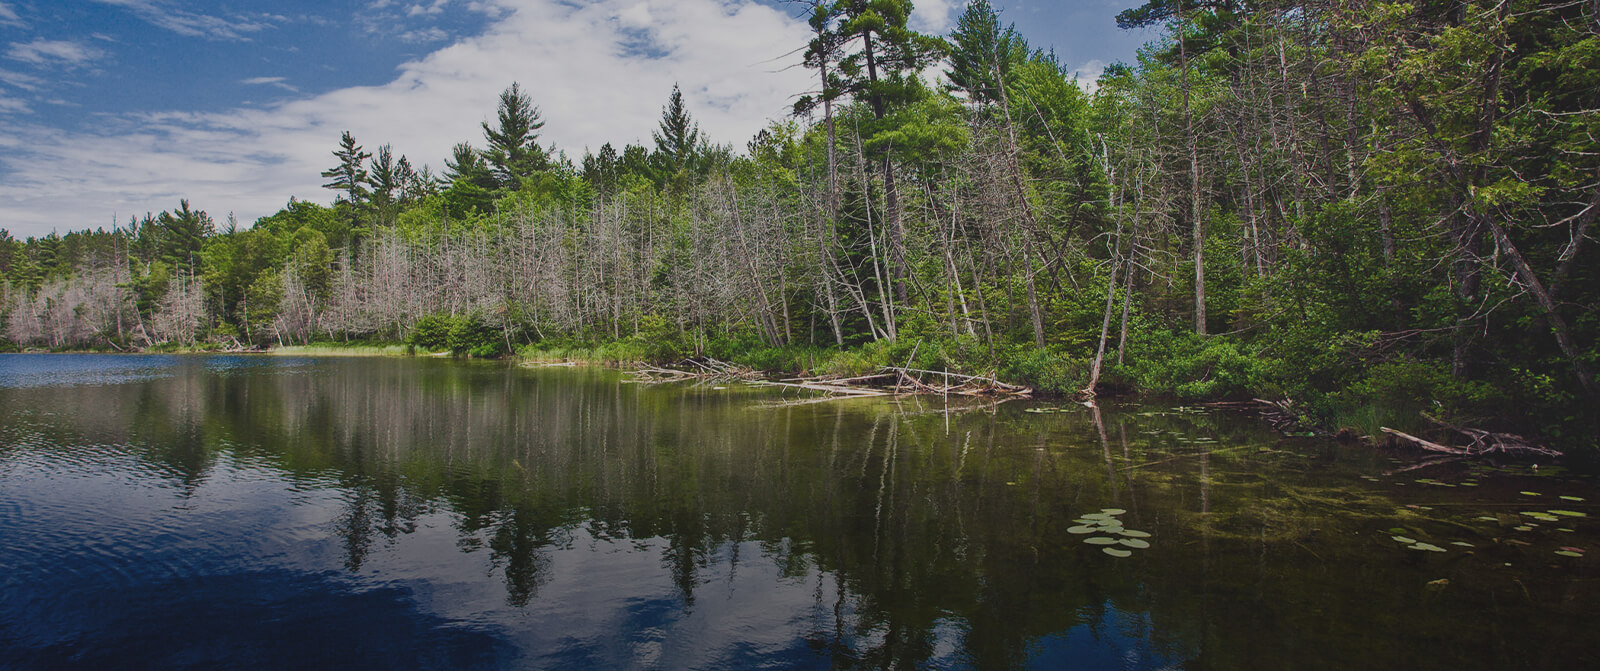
558 518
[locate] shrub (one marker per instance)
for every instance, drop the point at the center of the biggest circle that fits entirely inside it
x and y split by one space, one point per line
432 332
471 336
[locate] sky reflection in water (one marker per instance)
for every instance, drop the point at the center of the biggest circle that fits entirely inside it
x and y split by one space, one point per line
251 512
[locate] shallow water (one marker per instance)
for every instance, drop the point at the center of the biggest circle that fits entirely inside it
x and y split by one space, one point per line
268 513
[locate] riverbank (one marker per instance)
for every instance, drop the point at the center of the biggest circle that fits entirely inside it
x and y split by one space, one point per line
1175 367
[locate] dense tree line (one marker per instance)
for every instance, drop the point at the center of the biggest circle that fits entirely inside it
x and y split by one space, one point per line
1370 209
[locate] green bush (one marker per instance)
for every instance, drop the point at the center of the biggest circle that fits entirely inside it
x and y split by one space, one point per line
1044 370
471 336
432 332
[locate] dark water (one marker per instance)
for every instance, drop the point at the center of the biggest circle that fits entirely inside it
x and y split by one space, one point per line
276 513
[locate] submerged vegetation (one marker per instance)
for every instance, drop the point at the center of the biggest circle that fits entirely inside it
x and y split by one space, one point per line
1373 210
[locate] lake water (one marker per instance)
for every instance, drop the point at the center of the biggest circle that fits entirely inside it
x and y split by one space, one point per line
252 512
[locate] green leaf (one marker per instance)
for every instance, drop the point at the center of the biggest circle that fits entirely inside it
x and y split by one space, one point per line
1100 540
1115 552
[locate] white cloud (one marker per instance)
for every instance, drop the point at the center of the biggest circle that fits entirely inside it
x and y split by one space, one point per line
424 35
13 106
22 81
734 60
164 14
8 16
1088 75
420 9
53 52
280 82
935 16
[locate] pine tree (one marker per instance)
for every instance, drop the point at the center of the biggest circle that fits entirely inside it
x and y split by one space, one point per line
979 47
471 181
879 58
348 176
678 140
183 233
385 180
514 153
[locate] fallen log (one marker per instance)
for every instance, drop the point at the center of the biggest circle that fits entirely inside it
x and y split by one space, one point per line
1424 443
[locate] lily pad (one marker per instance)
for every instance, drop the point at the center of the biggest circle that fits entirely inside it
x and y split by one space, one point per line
1523 528
1463 544
1100 540
1578 499
1082 530
1486 518
1116 552
1403 539
1135 543
1130 533
1112 511
1531 494
1568 513
1429 547
1569 553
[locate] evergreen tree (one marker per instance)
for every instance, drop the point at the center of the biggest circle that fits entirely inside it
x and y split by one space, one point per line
349 176
678 139
183 233
514 153
471 181
386 181
880 58
979 46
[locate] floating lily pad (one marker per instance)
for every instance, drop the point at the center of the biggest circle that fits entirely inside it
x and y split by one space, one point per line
1579 499
1403 539
1100 540
1569 553
1112 530
1564 529
1134 543
1130 533
1112 511
1486 518
1569 548
1463 544
1428 547
1082 530
1096 516
1531 494
1523 528
1568 513
1116 552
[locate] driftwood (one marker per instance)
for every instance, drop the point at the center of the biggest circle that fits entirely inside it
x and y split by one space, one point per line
1280 414
1480 442
888 381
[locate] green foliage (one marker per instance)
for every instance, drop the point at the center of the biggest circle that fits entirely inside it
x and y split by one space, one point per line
432 333
461 335
472 336
1190 366
1045 370
513 152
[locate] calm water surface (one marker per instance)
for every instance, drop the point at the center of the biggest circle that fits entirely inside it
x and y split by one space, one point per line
269 513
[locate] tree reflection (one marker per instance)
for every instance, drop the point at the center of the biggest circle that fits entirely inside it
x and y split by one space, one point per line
913 532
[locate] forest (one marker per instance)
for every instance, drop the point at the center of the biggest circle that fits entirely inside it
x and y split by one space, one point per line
1368 212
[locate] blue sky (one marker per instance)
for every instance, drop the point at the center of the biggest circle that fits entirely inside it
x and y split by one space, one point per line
119 107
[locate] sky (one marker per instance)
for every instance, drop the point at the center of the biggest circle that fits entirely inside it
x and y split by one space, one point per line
115 108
